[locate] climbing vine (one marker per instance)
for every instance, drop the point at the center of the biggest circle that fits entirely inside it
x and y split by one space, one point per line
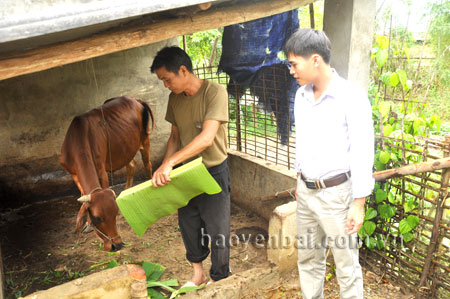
391 214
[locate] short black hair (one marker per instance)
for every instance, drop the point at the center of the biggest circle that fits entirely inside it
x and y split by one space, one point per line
306 42
172 58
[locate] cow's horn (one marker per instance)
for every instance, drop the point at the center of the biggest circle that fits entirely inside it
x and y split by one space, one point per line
85 198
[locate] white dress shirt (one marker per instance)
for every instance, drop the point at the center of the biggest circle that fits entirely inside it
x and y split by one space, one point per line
334 134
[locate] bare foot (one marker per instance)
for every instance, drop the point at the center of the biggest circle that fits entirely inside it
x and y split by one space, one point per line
198 277
198 280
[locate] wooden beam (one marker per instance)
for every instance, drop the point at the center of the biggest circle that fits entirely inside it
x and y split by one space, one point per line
412 169
25 62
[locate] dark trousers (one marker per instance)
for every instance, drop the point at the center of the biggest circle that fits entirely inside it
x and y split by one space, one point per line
206 219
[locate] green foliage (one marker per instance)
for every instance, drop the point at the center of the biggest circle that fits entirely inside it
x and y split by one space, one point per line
200 45
304 15
153 273
440 38
403 123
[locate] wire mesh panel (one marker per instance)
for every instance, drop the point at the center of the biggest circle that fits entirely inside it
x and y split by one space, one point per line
261 117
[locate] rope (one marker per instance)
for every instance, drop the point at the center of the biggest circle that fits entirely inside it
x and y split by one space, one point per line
109 146
288 191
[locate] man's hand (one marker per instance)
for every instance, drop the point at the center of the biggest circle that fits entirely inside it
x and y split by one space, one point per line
355 216
161 175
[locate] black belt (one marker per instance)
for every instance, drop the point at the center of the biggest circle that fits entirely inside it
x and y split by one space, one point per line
330 182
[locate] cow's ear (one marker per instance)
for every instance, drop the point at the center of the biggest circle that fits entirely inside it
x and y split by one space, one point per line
82 215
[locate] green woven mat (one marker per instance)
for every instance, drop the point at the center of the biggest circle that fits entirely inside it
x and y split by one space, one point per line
143 204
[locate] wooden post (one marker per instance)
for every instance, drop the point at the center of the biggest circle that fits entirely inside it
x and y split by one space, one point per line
434 241
311 15
237 97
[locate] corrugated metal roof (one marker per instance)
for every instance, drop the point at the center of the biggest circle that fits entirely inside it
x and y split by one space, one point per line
22 19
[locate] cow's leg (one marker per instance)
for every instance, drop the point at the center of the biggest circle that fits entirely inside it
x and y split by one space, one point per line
145 154
130 173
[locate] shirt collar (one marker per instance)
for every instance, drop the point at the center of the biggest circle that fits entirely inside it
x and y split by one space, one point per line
332 89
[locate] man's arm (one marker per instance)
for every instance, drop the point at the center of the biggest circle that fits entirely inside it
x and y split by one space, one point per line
196 146
361 133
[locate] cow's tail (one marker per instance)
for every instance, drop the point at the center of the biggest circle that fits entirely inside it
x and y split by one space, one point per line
145 113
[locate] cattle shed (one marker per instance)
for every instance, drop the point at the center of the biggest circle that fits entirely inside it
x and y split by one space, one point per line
61 58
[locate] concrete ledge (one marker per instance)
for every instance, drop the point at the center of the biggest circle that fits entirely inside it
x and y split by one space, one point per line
281 249
239 285
253 178
108 284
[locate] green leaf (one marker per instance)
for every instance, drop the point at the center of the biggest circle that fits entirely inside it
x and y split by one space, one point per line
392 197
435 121
407 237
386 211
380 195
379 165
418 125
408 224
384 108
384 157
385 77
370 214
370 243
163 284
369 227
113 263
403 78
153 271
380 243
381 57
155 294
394 157
387 130
394 79
170 283
377 186
413 221
362 233
409 205
382 41
184 290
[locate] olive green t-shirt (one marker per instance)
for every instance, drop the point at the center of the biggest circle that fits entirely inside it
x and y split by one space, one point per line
188 113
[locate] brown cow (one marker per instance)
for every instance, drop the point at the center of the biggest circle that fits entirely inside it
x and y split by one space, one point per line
105 139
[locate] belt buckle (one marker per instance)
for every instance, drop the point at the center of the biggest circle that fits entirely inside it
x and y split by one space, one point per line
315 184
310 184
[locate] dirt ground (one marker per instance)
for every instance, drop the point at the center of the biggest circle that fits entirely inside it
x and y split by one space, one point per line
40 250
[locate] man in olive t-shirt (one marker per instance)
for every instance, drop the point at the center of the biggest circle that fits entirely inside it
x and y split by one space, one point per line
198 112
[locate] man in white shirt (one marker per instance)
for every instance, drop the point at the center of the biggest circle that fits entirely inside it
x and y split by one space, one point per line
334 159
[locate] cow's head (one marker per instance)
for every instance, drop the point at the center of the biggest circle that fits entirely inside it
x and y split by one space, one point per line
102 209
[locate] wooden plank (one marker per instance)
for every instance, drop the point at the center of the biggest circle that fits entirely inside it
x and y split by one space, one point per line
25 62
